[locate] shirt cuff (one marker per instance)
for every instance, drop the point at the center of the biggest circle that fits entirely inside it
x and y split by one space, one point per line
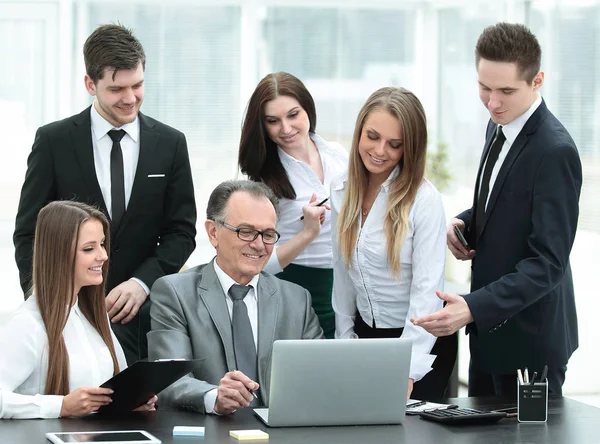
210 398
144 286
50 405
420 366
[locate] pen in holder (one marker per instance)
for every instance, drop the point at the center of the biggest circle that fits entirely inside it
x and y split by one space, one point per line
532 401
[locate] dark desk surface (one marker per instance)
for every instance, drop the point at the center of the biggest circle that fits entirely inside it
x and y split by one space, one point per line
569 422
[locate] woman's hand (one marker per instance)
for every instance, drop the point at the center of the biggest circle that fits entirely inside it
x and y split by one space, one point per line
148 406
85 400
314 216
410 387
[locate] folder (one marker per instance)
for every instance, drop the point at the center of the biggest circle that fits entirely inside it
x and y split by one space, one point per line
139 382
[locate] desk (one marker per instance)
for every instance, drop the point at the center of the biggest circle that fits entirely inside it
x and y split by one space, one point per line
569 422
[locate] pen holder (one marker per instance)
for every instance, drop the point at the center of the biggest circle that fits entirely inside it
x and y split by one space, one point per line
532 402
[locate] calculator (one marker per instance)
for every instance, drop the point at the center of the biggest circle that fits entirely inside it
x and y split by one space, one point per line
462 416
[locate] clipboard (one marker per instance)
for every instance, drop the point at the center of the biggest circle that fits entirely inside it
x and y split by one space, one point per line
139 382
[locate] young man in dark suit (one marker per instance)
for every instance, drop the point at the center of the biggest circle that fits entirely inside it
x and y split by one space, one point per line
131 166
520 230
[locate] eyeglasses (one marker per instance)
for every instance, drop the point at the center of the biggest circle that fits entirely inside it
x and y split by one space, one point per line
269 237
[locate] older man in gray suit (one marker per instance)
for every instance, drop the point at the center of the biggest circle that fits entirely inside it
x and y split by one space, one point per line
228 312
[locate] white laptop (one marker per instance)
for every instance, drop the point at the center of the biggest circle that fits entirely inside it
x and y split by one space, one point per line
337 382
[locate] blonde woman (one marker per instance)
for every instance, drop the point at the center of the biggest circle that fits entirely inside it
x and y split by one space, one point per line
57 348
390 237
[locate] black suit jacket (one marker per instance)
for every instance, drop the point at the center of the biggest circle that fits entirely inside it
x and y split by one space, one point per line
157 232
522 298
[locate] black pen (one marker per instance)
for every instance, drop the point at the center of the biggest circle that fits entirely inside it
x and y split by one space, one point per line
544 374
533 378
416 404
319 204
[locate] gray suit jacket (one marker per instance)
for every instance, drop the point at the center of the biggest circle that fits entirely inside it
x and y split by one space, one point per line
190 320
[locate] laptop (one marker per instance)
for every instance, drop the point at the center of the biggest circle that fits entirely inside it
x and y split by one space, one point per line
326 382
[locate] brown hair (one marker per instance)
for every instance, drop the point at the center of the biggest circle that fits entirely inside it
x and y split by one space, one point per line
406 107
112 46
54 252
257 156
510 43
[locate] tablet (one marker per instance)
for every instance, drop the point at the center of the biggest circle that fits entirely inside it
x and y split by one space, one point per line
114 437
138 383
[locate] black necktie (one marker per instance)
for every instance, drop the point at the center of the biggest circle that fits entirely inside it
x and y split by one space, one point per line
117 178
484 187
243 339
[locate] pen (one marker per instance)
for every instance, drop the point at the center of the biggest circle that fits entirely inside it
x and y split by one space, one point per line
520 376
533 378
526 376
544 374
416 404
319 204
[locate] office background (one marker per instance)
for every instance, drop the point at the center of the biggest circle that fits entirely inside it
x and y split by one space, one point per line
204 58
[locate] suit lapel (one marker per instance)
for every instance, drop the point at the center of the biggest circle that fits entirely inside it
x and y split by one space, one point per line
212 296
512 155
81 136
268 307
149 137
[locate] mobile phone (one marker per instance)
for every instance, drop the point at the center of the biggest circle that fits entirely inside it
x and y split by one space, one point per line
461 238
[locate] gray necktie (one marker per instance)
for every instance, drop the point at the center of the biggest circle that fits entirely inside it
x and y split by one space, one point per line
243 339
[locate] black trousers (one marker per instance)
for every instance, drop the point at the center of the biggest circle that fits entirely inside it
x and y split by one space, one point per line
496 384
435 383
132 336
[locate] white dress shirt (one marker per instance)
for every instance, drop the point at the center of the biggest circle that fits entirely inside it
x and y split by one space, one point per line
102 146
511 131
251 301
24 361
369 285
334 159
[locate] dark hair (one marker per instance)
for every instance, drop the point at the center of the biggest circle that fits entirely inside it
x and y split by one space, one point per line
217 202
112 46
511 43
258 157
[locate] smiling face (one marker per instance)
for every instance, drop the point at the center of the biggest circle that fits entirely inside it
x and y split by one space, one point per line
286 123
381 144
243 260
118 100
503 92
90 255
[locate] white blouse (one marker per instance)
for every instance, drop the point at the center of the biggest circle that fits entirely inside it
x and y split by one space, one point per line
334 159
370 287
24 361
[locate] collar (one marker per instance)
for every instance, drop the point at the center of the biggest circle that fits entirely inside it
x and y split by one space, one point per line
385 185
101 127
227 282
511 130
320 143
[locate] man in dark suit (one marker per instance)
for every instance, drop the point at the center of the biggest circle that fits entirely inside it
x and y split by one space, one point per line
131 166
229 312
520 230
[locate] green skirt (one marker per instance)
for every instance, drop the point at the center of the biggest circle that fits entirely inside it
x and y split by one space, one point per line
319 283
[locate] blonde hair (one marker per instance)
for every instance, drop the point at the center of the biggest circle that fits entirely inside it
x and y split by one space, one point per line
54 252
406 107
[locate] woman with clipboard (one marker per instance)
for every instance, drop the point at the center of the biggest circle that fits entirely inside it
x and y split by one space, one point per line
58 347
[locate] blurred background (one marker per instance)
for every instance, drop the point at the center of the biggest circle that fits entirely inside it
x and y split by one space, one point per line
204 58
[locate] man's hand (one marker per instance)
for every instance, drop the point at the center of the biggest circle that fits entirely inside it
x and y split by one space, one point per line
455 315
234 392
454 245
411 382
124 301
